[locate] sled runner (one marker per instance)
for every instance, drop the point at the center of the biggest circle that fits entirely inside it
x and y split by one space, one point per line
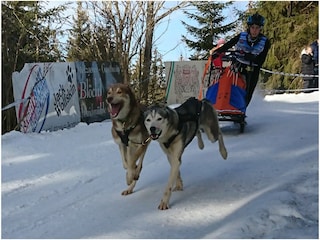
227 90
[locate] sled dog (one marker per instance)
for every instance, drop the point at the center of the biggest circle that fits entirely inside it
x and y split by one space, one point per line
175 128
128 130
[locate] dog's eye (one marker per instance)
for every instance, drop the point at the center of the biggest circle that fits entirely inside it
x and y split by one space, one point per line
159 118
147 120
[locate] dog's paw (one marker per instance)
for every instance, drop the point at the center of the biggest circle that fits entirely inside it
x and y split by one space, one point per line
178 188
163 206
222 148
127 192
223 152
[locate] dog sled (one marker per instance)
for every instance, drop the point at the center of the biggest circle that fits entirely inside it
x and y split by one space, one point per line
226 88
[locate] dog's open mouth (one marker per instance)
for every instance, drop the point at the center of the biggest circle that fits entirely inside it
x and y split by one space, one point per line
115 109
155 133
154 136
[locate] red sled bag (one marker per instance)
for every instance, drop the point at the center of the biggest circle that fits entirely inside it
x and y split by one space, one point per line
228 93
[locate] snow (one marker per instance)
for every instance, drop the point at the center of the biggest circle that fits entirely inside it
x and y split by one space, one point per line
68 183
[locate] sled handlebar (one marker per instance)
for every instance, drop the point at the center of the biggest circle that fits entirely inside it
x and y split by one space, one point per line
231 55
232 52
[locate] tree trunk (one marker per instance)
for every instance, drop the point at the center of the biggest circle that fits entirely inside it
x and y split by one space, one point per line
147 51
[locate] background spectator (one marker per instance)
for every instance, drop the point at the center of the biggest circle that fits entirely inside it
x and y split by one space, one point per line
217 61
307 66
315 50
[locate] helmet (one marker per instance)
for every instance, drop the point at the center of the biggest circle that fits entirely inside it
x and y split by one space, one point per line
255 19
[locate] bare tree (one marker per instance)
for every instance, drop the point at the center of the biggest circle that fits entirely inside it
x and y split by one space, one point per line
133 24
127 25
153 18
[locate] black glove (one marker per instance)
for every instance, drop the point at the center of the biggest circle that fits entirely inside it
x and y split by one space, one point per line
250 57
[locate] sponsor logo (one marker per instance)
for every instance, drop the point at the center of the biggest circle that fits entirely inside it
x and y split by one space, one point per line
39 100
65 93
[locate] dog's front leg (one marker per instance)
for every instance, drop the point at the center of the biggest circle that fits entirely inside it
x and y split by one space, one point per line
129 190
133 171
140 156
130 175
179 183
123 152
174 174
134 153
125 160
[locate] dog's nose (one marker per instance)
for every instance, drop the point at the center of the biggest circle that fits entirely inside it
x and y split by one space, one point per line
109 99
152 129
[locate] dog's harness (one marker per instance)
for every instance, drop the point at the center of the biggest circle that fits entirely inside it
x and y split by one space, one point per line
182 119
170 140
124 134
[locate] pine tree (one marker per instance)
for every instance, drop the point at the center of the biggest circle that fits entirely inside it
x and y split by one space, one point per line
209 17
79 43
27 37
91 38
156 91
290 26
103 43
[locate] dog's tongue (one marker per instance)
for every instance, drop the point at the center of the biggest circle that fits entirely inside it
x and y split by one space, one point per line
115 108
154 136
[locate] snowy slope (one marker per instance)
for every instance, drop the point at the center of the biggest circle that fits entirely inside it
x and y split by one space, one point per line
68 183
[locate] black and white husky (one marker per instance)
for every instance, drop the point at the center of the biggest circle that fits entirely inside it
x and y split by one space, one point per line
175 128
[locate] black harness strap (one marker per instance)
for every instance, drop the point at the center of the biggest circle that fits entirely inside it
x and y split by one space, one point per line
170 140
182 119
124 135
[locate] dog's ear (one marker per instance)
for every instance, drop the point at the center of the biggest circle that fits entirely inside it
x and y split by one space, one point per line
166 111
156 106
146 112
132 96
160 105
171 115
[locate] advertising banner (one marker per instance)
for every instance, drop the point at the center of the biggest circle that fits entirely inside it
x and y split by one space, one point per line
53 96
50 94
93 79
183 80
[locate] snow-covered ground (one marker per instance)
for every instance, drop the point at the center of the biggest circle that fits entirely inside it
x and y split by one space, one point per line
68 183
